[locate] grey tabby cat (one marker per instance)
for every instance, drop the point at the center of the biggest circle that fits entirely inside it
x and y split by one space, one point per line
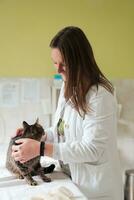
32 167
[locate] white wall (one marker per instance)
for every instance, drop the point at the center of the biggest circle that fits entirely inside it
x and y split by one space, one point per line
125 134
23 99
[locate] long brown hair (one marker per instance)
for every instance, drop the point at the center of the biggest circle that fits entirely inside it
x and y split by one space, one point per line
82 70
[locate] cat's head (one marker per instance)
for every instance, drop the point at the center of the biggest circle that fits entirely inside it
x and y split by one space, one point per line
34 131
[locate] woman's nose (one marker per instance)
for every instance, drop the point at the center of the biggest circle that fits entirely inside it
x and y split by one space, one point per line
58 66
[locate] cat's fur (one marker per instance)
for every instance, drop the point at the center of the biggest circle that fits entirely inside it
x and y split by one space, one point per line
32 167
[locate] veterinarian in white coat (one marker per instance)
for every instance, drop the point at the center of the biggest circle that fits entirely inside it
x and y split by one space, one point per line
90 145
84 131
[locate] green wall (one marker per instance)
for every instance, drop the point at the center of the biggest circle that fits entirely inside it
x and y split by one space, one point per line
27 26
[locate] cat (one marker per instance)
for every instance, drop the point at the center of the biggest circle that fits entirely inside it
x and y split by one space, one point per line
32 167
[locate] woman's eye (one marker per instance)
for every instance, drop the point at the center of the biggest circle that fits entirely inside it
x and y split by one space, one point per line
63 65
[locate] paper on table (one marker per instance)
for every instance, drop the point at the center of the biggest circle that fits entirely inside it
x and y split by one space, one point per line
61 193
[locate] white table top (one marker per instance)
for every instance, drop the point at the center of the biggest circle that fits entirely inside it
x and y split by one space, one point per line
15 189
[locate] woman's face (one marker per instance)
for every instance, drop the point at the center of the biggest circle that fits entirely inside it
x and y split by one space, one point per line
59 62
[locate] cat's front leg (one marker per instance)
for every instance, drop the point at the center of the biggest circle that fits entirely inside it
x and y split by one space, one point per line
19 176
30 180
25 172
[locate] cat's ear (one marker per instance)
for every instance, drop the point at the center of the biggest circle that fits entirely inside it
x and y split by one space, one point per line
37 121
25 124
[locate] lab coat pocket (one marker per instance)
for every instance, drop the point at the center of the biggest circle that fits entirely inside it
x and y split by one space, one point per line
97 178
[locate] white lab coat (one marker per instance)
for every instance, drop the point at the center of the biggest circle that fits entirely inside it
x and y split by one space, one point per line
90 146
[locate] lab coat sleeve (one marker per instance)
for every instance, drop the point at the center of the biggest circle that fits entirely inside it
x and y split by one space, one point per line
50 135
96 128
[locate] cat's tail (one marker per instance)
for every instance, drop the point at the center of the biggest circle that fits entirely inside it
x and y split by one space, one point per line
49 169
46 170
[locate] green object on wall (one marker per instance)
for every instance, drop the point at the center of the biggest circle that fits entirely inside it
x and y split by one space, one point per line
26 28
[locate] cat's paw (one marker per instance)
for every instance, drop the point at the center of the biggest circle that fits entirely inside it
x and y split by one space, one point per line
19 176
34 183
46 179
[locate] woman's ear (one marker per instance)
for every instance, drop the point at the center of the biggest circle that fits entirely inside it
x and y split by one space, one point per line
25 124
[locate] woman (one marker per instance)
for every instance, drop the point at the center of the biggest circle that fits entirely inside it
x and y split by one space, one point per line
84 131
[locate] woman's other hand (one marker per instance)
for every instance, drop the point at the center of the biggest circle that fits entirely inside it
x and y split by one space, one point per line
25 149
18 132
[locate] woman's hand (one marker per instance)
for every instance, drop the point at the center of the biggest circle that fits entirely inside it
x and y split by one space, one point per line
25 149
19 132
